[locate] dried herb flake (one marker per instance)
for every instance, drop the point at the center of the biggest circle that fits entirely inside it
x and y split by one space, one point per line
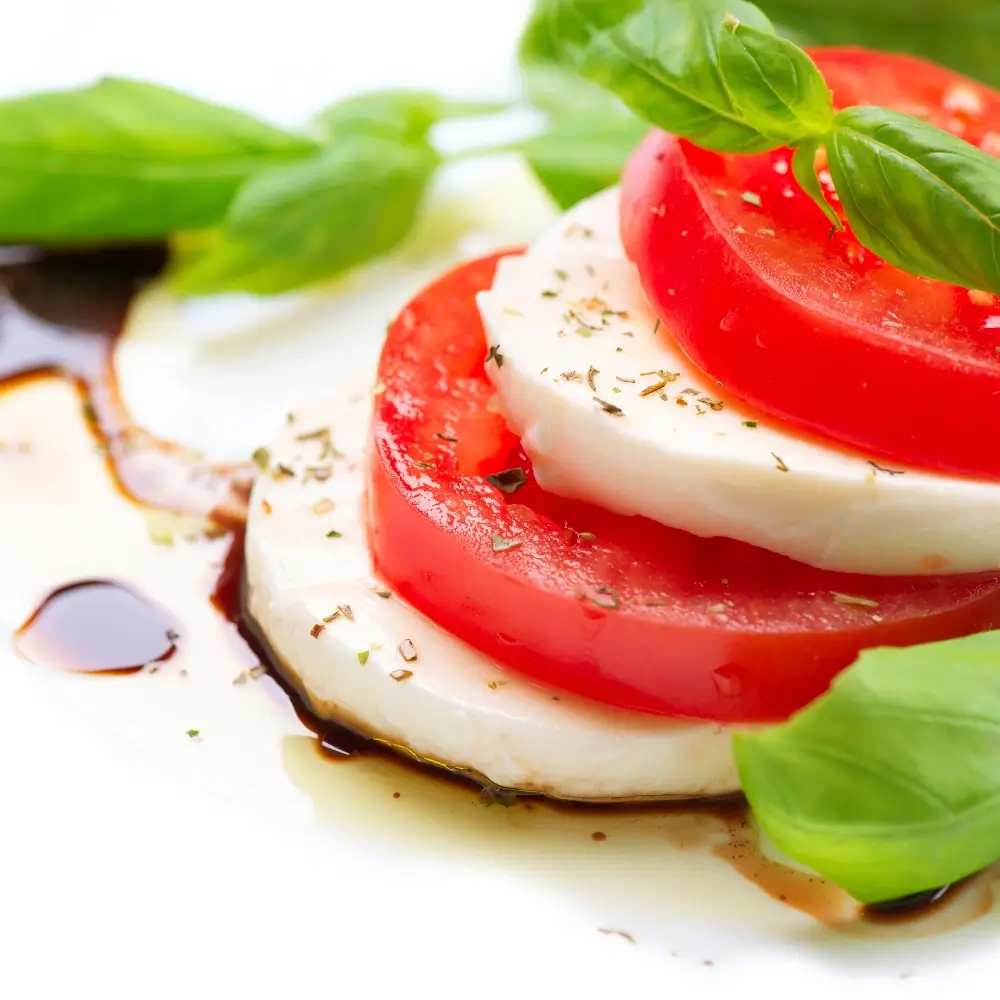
508 481
501 544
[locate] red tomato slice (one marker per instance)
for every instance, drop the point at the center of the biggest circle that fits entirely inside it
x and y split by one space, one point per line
806 324
619 609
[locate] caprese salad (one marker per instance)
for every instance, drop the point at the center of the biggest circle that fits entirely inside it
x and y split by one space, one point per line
621 507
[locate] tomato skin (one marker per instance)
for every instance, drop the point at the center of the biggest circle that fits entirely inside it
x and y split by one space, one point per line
805 324
642 616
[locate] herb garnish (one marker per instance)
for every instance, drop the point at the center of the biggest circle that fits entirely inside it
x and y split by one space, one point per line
617 933
604 597
609 408
888 472
334 534
494 355
316 473
508 481
262 459
324 436
501 544
861 602
363 656
781 463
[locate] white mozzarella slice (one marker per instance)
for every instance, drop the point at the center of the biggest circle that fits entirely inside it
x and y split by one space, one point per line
579 343
450 704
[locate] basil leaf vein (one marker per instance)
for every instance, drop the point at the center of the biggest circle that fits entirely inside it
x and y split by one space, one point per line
890 783
773 83
660 60
921 198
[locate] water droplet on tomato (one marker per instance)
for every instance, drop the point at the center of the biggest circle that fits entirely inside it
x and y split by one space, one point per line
729 320
728 681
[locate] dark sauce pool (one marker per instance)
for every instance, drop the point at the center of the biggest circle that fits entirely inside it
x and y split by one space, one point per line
98 627
60 316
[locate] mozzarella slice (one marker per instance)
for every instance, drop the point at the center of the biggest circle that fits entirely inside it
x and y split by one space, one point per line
435 696
610 410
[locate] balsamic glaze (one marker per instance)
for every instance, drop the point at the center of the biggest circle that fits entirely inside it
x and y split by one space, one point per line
334 741
97 627
918 902
61 314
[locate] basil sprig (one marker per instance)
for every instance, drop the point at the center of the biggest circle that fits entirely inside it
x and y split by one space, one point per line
715 73
126 160
890 783
248 206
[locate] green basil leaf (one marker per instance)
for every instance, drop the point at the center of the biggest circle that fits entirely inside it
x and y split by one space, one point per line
890 783
660 58
407 115
550 85
804 171
579 157
773 83
126 160
959 33
590 133
315 219
917 196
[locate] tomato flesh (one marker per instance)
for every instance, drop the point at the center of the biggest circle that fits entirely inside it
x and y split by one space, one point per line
804 323
630 612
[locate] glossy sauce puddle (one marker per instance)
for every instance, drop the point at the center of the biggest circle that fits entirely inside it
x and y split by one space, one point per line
58 326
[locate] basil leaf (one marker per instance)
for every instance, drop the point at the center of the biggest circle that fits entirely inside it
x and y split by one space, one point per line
804 171
590 134
315 219
126 160
959 33
917 196
407 115
660 58
577 158
550 85
890 783
773 83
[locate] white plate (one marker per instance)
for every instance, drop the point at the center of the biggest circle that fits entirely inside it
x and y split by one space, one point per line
138 862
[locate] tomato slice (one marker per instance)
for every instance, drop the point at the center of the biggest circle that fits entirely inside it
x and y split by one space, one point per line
619 609
804 323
